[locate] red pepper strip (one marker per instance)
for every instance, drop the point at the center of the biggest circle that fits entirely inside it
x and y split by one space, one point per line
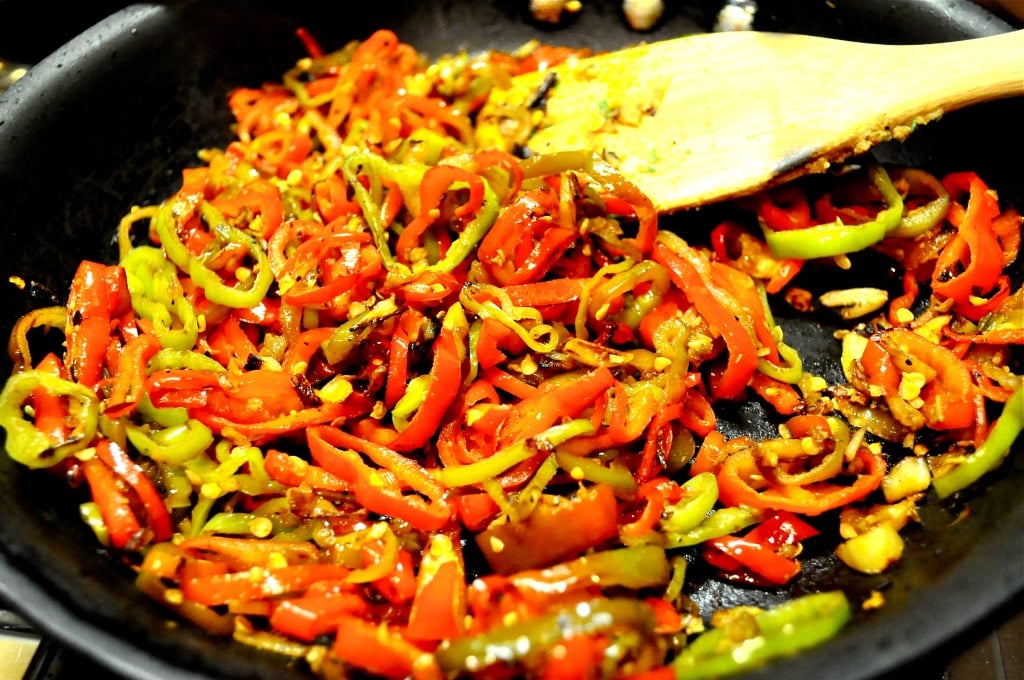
476 510
879 367
710 455
685 270
740 296
758 557
99 292
445 381
738 469
406 470
507 382
48 409
781 528
288 423
653 495
697 415
258 196
398 356
784 208
293 471
540 411
313 48
255 397
229 341
905 301
399 586
131 376
782 396
486 161
115 507
439 608
258 584
501 251
117 459
436 183
974 248
948 398
306 618
378 490
332 198
494 337
575 656
658 443
380 649
301 350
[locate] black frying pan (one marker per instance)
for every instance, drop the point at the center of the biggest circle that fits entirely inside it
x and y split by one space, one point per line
109 119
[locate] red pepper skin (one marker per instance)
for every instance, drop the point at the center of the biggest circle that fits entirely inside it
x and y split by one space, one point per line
98 294
685 271
157 516
949 397
758 557
971 264
115 507
445 380
735 489
309 617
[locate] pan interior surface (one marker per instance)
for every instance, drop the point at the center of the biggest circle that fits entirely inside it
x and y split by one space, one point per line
109 120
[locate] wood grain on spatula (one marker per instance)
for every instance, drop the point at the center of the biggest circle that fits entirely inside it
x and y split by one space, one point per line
708 117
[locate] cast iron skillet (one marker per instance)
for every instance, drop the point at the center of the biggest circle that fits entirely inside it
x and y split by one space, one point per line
108 120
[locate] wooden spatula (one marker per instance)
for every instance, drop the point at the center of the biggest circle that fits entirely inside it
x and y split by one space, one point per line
707 117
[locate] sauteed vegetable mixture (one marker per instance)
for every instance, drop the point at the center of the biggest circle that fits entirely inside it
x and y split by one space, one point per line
372 391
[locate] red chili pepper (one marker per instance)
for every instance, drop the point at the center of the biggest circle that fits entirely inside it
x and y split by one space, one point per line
157 517
783 397
399 586
691 274
437 182
307 618
259 584
439 608
784 208
445 381
758 557
49 411
130 377
541 539
115 507
948 398
293 471
738 472
972 262
378 648
376 489
98 294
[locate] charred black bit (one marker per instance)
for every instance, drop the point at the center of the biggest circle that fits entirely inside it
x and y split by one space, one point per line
305 390
540 97
76 318
253 362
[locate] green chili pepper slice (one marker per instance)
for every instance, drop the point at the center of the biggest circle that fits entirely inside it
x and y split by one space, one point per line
784 630
28 445
836 238
990 454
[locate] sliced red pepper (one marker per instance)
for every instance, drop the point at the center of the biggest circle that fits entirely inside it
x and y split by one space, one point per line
309 617
379 649
217 589
758 557
686 271
948 398
738 471
115 506
972 262
117 459
98 294
439 608
294 471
